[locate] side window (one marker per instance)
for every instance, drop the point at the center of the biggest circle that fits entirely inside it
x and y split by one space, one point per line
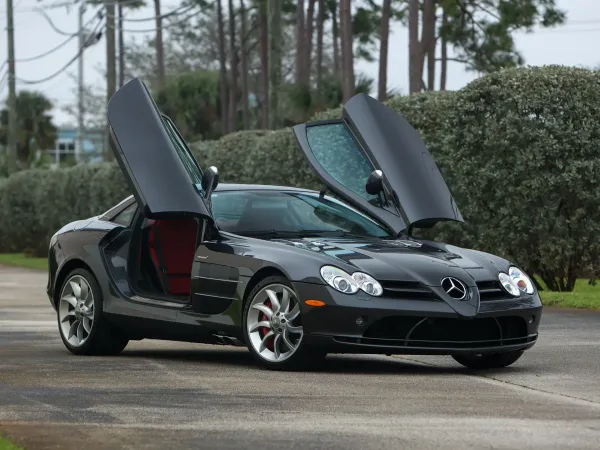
185 155
338 153
126 216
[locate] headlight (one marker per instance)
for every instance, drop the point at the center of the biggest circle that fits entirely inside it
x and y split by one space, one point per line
350 284
522 281
509 284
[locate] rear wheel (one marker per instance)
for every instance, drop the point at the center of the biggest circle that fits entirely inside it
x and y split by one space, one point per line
495 361
83 329
273 327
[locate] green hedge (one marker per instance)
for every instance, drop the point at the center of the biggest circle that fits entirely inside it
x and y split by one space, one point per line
519 149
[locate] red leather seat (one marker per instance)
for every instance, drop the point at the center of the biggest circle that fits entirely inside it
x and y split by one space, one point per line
172 249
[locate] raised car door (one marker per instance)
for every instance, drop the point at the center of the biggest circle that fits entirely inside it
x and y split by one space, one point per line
371 137
161 171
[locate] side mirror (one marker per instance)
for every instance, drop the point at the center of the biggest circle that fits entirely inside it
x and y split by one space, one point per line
375 183
210 180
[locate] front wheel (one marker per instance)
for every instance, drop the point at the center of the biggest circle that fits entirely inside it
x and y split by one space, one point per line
495 361
273 327
82 327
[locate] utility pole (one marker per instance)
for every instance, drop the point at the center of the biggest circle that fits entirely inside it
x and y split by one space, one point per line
82 41
11 149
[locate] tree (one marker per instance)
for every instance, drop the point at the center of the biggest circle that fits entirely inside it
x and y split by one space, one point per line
383 49
347 48
480 33
275 60
244 56
222 68
160 60
35 129
233 72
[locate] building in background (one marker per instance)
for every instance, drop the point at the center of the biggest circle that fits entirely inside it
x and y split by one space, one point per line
66 152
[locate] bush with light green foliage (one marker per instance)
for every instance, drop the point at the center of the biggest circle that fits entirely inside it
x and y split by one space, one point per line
518 148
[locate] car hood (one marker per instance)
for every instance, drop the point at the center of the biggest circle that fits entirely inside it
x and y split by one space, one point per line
410 261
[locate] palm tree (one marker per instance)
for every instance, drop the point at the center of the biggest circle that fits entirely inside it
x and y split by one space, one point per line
34 124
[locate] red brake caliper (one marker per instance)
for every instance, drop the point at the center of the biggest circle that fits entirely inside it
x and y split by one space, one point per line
265 330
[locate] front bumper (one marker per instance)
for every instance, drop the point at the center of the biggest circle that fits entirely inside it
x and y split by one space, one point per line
361 323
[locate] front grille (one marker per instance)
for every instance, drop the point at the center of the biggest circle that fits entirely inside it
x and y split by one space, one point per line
492 290
409 290
447 333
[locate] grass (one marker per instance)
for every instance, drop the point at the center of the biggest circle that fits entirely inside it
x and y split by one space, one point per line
584 296
5 444
22 260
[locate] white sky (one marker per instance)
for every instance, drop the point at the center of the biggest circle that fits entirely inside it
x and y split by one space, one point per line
574 43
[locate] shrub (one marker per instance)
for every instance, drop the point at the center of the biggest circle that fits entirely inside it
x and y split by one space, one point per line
521 152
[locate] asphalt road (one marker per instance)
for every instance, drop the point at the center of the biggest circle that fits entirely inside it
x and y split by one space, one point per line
159 395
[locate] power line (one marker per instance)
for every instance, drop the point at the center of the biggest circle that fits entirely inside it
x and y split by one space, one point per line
65 67
62 44
152 30
177 11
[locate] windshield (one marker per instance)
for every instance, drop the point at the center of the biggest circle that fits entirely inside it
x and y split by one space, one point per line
289 213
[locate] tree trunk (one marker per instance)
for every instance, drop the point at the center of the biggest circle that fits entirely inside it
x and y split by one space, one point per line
310 26
347 49
264 62
383 50
414 47
320 18
300 43
160 60
336 42
222 69
111 72
121 48
444 55
429 22
275 60
244 51
233 71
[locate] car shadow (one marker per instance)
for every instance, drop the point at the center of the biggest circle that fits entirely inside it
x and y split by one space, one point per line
355 364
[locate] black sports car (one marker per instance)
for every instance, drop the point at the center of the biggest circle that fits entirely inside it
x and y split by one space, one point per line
292 273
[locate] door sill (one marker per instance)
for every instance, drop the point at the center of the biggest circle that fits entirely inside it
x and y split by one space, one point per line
162 302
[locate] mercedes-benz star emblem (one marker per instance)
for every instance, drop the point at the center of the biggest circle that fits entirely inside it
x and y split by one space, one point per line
454 288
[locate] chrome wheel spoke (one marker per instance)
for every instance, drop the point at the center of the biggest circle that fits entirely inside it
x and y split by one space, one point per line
286 340
285 301
276 346
85 292
80 331
293 314
73 329
263 343
71 300
76 290
258 325
264 309
274 300
87 325
293 329
68 316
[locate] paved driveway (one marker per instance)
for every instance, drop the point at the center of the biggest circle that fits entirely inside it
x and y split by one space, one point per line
159 395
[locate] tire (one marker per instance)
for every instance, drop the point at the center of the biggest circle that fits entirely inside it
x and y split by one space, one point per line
81 324
482 362
300 356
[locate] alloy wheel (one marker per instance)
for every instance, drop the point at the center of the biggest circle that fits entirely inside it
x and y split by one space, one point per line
76 311
273 323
